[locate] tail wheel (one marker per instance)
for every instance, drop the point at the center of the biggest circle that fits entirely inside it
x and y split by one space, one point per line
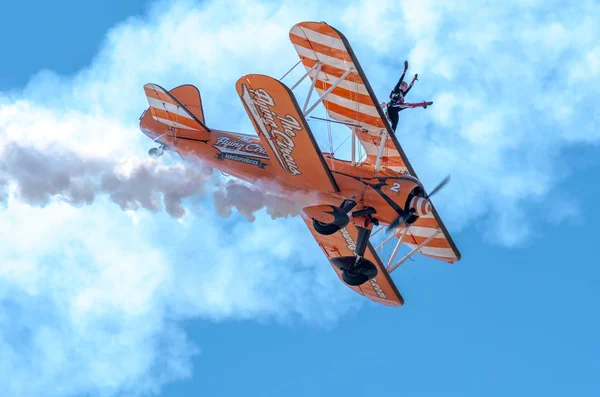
155 152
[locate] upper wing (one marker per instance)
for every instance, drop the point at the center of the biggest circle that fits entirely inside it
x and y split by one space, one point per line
167 109
284 132
381 289
354 102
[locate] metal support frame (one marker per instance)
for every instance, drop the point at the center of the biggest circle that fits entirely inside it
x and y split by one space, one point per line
318 64
411 253
384 242
333 86
377 231
380 151
354 149
288 72
396 248
337 82
335 121
312 87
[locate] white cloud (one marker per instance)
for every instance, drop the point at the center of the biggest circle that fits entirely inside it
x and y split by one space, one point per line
91 296
82 305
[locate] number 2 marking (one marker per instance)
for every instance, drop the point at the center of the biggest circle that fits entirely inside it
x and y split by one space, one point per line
395 187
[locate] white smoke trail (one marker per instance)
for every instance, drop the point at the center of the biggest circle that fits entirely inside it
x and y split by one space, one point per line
37 177
249 199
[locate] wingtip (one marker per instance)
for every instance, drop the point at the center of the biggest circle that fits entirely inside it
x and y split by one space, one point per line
154 86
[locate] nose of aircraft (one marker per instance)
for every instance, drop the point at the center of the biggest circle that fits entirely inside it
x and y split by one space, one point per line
421 205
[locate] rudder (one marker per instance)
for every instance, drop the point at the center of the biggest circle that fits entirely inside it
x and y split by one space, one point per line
189 96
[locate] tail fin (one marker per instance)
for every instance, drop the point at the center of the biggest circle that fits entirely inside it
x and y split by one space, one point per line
189 96
180 108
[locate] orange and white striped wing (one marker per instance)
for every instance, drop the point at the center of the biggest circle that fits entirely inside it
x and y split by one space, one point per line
166 109
440 247
353 100
428 230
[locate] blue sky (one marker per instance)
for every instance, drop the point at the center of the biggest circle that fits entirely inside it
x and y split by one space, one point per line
99 301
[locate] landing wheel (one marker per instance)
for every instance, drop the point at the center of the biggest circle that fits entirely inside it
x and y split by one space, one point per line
339 214
325 228
355 274
353 279
367 268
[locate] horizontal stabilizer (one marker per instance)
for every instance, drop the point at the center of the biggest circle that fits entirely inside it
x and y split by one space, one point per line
167 109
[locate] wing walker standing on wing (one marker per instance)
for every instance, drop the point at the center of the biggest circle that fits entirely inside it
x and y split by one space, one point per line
377 189
397 96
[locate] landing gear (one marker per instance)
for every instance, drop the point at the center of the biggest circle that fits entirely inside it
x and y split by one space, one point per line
329 219
325 228
339 216
357 270
156 152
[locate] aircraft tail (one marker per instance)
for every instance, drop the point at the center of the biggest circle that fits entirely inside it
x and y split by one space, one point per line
179 108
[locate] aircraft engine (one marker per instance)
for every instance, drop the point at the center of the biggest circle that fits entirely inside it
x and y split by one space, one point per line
417 206
420 205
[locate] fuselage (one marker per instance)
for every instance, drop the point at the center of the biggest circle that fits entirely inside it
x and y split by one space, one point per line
244 157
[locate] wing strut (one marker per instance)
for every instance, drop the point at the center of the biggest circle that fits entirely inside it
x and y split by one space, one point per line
317 64
390 269
387 240
333 86
354 151
312 87
288 72
376 232
396 248
380 152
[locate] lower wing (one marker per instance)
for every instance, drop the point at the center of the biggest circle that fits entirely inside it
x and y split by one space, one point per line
380 289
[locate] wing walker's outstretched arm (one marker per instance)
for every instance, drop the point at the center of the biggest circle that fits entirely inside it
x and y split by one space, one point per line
397 86
411 84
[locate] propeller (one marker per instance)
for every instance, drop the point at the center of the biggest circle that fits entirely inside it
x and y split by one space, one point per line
402 218
439 186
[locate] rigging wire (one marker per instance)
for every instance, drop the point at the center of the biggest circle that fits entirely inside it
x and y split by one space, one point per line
344 141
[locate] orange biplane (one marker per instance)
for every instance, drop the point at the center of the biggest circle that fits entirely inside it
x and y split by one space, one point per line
378 189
